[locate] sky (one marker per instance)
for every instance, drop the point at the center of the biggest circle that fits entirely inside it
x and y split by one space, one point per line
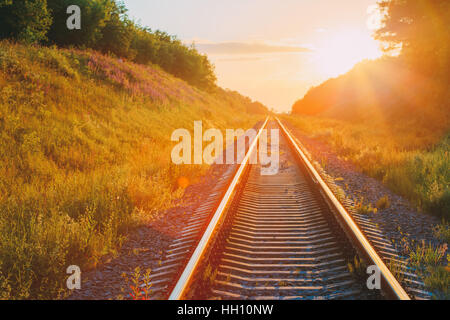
270 50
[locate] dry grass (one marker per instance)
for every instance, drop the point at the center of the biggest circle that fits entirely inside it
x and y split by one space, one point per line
85 157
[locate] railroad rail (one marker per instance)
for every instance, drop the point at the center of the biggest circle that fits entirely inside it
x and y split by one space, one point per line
284 236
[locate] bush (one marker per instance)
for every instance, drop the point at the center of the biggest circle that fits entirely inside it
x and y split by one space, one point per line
95 15
24 20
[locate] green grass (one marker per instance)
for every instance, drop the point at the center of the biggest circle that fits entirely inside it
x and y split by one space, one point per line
438 280
429 263
427 255
85 157
411 159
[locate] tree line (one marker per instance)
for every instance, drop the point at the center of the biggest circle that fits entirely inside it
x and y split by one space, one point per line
419 29
106 28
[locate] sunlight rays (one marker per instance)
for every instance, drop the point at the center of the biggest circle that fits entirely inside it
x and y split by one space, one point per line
342 49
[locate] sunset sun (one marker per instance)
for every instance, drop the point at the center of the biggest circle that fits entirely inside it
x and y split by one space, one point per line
340 50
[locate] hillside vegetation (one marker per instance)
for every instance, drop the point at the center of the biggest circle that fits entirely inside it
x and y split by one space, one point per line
85 156
384 90
391 116
105 27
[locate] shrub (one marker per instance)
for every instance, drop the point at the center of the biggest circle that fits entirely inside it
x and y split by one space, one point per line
25 20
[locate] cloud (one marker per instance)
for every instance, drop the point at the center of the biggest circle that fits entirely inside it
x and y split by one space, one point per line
240 59
246 48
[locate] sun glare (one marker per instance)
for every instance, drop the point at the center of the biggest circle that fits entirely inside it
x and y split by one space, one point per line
338 52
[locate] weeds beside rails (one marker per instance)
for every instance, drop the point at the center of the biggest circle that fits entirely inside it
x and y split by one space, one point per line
431 263
411 159
139 286
363 208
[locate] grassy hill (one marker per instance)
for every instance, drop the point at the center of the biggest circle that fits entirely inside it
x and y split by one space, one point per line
85 156
392 122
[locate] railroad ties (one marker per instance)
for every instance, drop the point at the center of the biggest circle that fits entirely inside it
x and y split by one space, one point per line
281 245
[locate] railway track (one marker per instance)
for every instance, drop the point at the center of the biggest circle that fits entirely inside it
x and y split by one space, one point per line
283 236
280 244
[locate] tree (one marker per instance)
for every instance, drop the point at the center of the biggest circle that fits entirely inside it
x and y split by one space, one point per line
117 34
94 16
145 45
419 28
24 20
184 62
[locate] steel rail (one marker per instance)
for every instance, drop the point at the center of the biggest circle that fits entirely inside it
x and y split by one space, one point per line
391 286
188 272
